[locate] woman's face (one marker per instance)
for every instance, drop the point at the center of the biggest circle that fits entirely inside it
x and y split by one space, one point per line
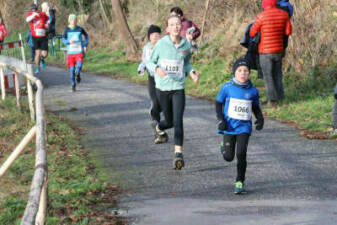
174 26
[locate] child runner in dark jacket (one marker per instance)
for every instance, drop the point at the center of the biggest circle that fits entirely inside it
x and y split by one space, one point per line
236 102
153 35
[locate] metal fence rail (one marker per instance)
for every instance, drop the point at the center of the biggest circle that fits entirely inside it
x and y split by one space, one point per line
36 209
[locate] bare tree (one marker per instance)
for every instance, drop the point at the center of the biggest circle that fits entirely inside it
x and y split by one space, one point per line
130 43
204 20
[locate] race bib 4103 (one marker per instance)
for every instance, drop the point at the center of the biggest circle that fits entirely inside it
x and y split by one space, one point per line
173 68
240 109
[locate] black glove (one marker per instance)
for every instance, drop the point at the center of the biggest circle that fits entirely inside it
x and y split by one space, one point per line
222 125
336 96
259 124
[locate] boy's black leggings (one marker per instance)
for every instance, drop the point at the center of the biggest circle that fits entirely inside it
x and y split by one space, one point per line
173 105
241 143
155 106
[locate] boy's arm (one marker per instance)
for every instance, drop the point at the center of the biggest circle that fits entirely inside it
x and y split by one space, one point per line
65 37
142 65
152 63
219 106
86 38
258 113
336 92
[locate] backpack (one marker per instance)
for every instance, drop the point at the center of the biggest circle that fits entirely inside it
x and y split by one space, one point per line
286 6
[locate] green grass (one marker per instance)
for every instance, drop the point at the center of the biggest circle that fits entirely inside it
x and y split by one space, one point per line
76 191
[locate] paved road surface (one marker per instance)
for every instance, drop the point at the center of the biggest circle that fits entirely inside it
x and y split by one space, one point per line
290 180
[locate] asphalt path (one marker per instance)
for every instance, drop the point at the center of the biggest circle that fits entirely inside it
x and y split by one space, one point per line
290 180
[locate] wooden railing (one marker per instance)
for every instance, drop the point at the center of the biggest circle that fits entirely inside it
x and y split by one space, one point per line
36 209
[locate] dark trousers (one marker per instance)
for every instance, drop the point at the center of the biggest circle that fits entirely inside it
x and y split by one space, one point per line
173 105
32 53
239 141
155 106
271 65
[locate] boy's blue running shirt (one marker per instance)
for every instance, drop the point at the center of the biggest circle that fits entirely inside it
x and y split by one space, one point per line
75 34
238 102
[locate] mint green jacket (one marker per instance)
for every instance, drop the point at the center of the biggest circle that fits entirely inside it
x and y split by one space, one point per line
174 60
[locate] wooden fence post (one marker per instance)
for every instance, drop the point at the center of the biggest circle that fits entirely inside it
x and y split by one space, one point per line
30 93
2 78
17 91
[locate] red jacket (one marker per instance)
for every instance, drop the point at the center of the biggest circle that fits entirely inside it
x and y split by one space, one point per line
3 32
273 23
185 23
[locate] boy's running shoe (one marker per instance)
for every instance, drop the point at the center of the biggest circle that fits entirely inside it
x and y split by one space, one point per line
239 188
37 70
78 77
178 161
73 88
222 149
43 63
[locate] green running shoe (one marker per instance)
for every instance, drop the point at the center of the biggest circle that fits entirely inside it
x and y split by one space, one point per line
239 188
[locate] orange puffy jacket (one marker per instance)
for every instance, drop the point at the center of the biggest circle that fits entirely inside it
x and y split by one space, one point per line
273 23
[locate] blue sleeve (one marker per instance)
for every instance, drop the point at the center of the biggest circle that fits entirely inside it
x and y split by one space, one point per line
187 65
256 99
86 38
222 95
65 37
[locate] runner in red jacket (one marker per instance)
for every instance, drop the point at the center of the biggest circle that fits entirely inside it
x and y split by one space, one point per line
38 28
3 32
273 24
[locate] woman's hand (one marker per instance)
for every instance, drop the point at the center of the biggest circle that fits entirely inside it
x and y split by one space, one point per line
160 72
194 76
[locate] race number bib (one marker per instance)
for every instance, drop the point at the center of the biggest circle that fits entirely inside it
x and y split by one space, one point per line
240 109
40 32
173 68
75 47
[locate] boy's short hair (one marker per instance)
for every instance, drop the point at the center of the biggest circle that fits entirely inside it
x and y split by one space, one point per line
72 17
177 10
240 62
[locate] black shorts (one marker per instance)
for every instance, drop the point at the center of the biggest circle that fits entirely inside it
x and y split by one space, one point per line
40 43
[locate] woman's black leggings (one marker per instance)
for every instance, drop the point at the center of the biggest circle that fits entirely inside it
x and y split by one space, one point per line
155 106
173 105
241 143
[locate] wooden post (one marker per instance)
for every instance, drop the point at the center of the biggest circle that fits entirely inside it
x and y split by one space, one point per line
30 93
2 78
17 90
204 20
17 151
41 168
42 213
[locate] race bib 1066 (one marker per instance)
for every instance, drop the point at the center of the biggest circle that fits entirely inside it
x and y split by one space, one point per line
240 109
173 68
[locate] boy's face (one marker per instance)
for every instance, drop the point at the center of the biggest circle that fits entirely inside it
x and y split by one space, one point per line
154 37
72 22
242 74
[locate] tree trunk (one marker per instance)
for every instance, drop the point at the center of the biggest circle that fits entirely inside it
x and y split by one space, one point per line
130 43
204 20
105 17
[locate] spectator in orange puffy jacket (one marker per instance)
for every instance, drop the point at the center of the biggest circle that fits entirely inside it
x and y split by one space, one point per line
273 24
3 32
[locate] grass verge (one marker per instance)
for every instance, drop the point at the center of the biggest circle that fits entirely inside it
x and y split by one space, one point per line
308 97
77 194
